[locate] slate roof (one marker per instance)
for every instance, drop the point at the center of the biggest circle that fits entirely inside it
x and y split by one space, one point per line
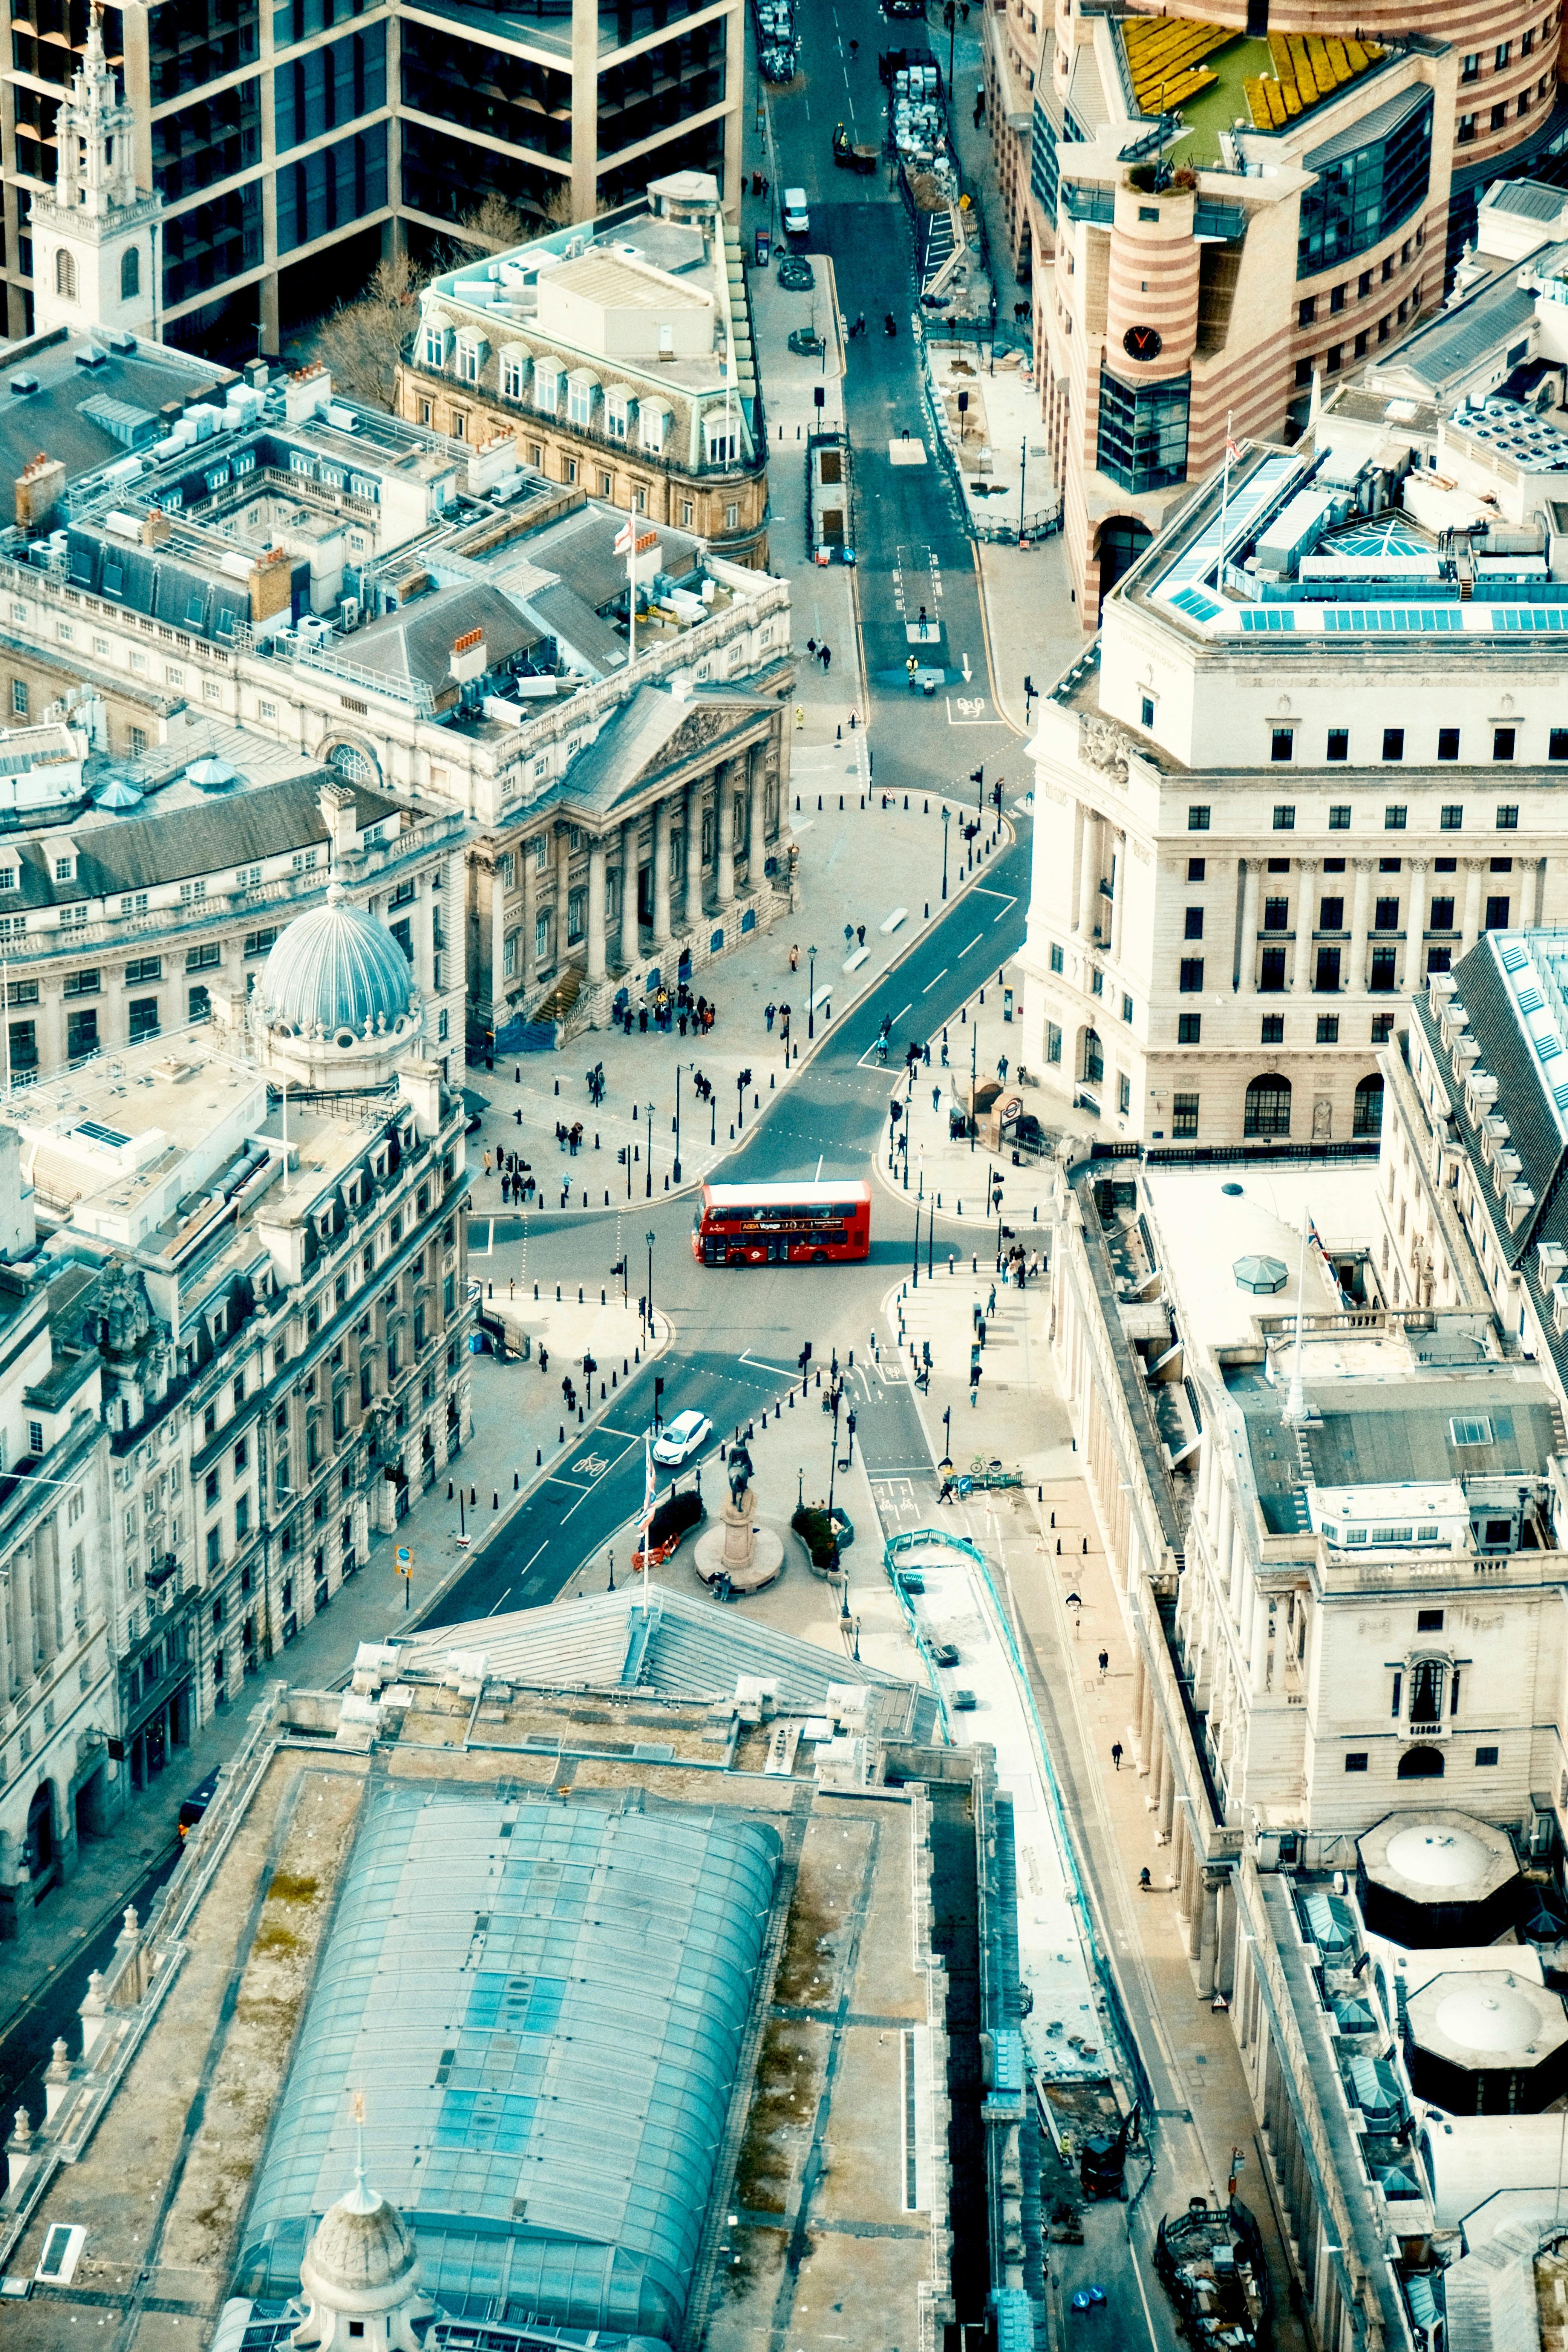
52 419
1443 354
416 640
654 732
581 548
240 828
576 624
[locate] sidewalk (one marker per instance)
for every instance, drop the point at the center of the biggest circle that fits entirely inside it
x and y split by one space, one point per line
861 865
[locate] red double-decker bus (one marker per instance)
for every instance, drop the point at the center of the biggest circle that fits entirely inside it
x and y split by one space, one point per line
783 1224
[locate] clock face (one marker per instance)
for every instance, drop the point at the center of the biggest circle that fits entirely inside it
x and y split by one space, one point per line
1141 343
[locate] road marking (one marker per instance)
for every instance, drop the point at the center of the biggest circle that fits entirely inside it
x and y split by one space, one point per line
975 942
932 982
968 673
817 1178
495 1604
1001 911
902 1010
528 1562
760 1364
491 1244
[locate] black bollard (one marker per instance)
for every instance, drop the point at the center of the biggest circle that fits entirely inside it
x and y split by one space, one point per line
495 1498
516 1481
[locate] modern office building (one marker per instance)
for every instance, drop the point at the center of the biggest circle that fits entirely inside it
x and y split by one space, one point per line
1292 781
617 354
277 135
1305 202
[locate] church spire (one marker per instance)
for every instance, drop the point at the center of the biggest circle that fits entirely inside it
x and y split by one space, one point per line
95 233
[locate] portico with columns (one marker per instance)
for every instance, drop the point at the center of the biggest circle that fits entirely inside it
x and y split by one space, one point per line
667 843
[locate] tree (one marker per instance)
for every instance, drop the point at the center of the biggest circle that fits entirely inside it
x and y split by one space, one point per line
362 341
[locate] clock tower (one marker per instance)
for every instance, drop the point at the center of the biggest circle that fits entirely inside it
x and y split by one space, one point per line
96 240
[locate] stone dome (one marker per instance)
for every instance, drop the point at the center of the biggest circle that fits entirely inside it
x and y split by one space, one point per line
1494 2016
337 973
363 2256
1434 1855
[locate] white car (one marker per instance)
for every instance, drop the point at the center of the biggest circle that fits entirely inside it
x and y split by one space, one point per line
679 1439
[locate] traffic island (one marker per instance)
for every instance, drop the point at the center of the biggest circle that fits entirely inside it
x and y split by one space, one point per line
737 1556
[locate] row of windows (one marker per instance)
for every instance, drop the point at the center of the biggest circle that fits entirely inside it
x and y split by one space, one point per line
1328 968
1335 300
1356 1761
1266 1109
1505 743
1197 868
1190 1029
1468 124
1331 915
1396 815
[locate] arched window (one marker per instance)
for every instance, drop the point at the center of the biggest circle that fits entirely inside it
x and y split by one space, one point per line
1426 1675
1122 539
1421 1764
1093 1057
1267 1110
1367 1118
129 273
348 761
65 274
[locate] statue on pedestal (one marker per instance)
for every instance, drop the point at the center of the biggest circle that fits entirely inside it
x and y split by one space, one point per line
738 1555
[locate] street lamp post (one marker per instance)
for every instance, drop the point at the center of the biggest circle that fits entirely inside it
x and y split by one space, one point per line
973 1073
648 1194
649 1238
677 1171
946 819
712 1119
811 992
917 1265
833 1458
1022 466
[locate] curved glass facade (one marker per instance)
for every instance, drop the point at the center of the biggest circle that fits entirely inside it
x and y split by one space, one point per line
1143 441
1369 181
545 2004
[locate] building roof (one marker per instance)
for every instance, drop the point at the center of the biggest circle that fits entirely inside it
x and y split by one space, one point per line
547 2003
416 640
71 415
681 1648
335 970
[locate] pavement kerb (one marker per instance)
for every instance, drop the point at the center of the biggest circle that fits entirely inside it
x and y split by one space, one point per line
984 595
807 1053
502 1520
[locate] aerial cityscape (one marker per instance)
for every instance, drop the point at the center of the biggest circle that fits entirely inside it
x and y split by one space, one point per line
683 694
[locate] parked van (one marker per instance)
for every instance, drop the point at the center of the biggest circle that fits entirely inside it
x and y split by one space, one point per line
796 218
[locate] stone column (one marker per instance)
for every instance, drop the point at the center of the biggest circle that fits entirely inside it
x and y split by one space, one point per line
724 812
1305 889
1246 962
563 894
661 874
1165 1817
693 915
1471 922
1258 1662
630 832
27 1629
1354 973
1407 971
530 908
757 837
498 944
1088 878
1119 856
1140 1695
1079 852
596 910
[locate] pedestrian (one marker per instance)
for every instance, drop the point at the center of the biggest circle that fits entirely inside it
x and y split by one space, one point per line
951 1261
1002 1067
1085 1546
1145 1883
826 658
944 1053
1104 1661
768 1012
925 1053
487 1163
1116 1753
811 646
545 1359
936 1097
1034 1262
860 933
794 959
991 1302
642 1020
848 935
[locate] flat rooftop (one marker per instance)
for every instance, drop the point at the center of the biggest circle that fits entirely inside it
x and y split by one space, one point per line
689 1961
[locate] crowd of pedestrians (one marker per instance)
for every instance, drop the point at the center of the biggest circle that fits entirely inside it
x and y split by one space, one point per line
662 1014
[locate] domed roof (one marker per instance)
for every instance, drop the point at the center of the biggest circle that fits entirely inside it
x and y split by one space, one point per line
1434 1855
333 970
363 2251
1491 2016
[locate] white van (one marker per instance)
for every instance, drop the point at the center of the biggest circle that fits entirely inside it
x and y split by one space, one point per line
796 218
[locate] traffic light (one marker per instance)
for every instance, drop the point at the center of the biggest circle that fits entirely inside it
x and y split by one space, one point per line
977 775
895 1112
851 1424
657 1386
925 1353
1029 688
974 1353
743 1080
621 1156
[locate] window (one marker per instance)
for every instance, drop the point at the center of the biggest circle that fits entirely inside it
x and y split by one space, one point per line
1273 1029
81 1036
1428 1621
1387 917
1147 708
1503 738
1497 915
1184 1115
1096 982
1449 749
1331 915
1394 747
1328 1028
1284 819
204 959
1277 914
1507 816
1383 962
1194 923
1057 957
19 698
1307 311
1336 301
1467 130
1124 1093
80 983
198 1004
1189 1028
142 1018
1366 185
1338 749
1143 440
1197 820
1282 743
1191 976
1197 869
1485 1756
1127 1008
1356 1761
1267 1108
1557 744
1327 980
1382 1028
1053 1054
143 968
1271 975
